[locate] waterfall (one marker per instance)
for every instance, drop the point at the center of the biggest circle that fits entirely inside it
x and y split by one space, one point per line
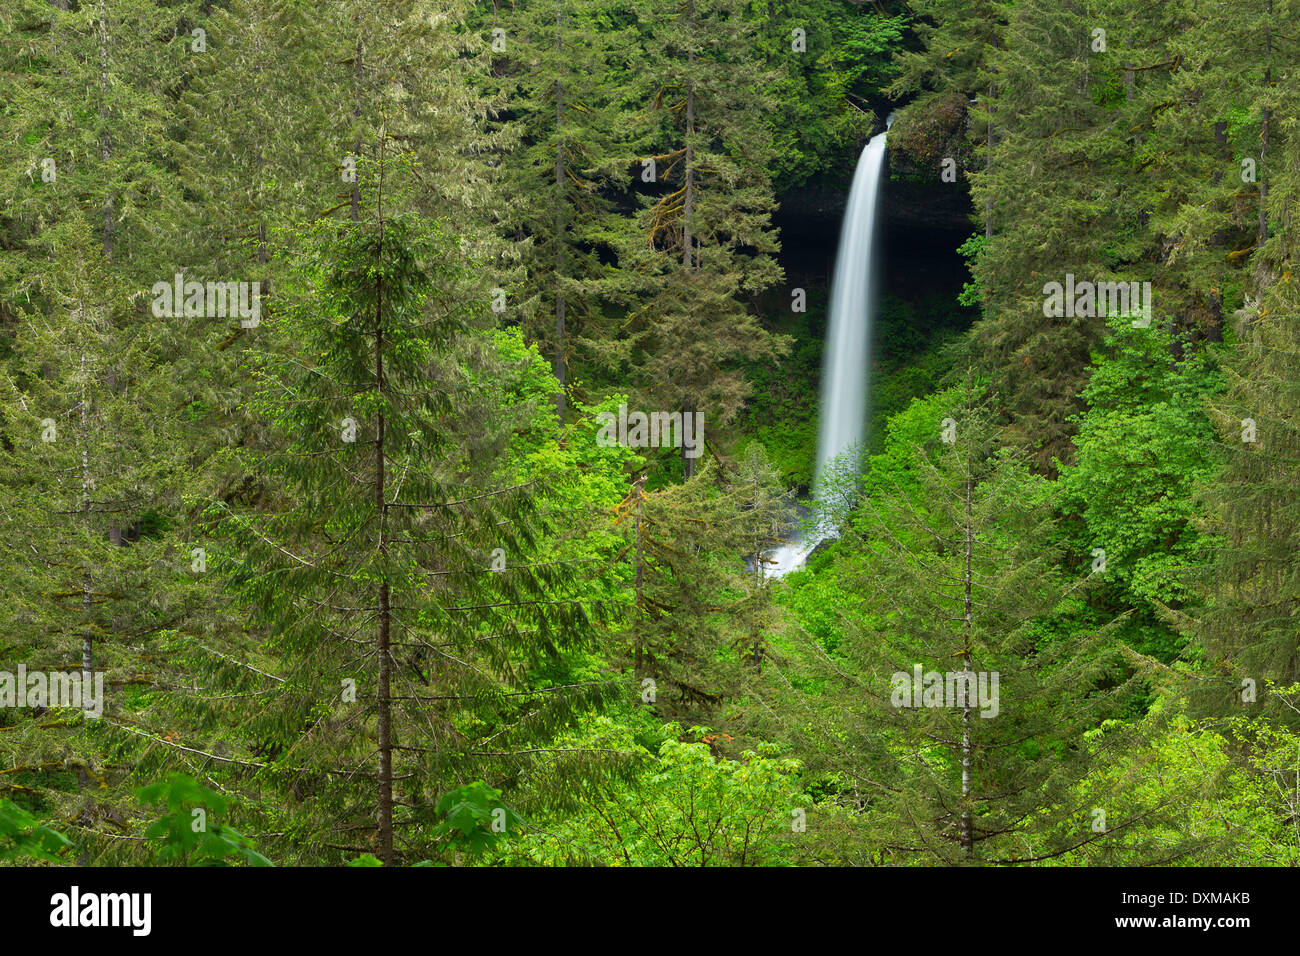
846 368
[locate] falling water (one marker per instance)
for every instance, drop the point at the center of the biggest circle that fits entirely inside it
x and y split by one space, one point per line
847 367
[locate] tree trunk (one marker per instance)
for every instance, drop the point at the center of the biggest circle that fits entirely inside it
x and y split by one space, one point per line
259 162
87 581
688 201
988 164
558 360
688 206
689 261
356 143
688 463
967 826
1263 136
103 120
637 488
385 728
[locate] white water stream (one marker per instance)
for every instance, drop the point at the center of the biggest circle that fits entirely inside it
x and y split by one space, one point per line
846 369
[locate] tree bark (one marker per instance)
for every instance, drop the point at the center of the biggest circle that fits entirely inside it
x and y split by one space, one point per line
967 826
688 201
1263 136
638 499
356 143
103 120
688 463
558 359
988 164
385 716
87 580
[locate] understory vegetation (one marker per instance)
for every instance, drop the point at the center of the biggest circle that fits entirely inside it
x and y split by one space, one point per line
324 326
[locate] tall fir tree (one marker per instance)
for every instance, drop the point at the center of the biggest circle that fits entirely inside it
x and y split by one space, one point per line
1248 630
701 599
704 237
562 81
400 602
93 448
956 698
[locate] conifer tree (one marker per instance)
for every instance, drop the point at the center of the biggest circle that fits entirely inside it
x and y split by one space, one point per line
701 599
827 57
1208 143
1248 630
704 238
564 99
1058 209
255 155
959 696
92 453
400 602
951 70
93 473
957 40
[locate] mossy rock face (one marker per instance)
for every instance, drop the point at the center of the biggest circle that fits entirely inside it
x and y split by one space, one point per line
925 133
928 131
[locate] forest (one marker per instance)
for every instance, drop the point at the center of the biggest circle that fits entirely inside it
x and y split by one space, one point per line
403 403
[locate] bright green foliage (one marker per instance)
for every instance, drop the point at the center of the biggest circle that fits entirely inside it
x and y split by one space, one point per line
686 807
1143 451
22 837
476 820
951 567
1194 793
186 834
